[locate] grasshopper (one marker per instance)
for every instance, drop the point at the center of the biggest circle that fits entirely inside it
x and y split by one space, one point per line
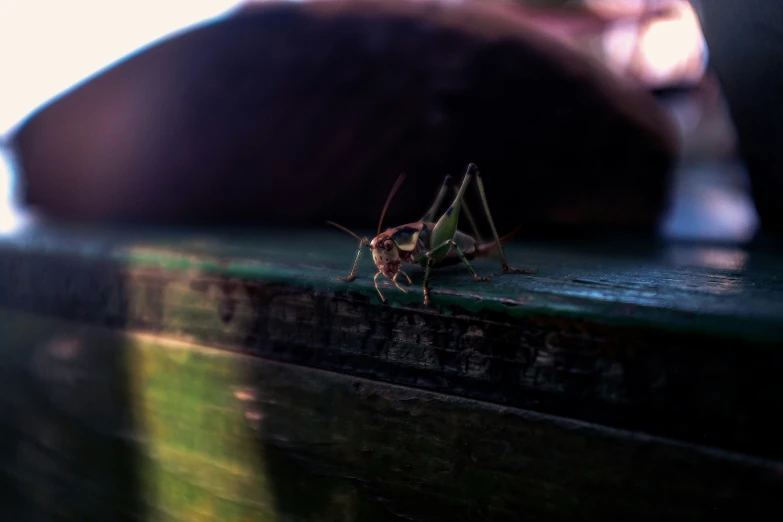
431 244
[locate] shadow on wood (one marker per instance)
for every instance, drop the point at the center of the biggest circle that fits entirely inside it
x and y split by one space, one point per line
67 446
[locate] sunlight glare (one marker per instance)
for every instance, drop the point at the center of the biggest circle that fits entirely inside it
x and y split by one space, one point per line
49 47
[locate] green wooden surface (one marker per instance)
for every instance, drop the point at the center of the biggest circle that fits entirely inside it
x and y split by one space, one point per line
104 426
713 289
139 382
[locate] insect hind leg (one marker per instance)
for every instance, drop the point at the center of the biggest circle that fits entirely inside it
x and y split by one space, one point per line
445 187
501 252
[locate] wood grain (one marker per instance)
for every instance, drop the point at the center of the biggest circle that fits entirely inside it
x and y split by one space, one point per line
681 342
100 425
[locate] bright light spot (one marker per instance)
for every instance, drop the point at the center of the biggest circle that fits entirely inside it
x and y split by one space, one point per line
708 207
12 218
673 46
48 47
667 48
620 45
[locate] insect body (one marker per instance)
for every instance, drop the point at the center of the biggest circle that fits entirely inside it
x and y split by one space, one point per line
429 243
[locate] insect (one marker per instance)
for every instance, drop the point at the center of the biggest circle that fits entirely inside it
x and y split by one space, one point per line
431 244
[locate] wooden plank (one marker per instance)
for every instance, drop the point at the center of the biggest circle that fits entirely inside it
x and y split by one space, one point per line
710 289
680 342
100 425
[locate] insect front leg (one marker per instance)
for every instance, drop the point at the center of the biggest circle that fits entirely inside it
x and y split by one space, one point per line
355 267
502 254
375 280
394 280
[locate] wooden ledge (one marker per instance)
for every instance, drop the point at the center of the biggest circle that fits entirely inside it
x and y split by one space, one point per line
165 376
675 341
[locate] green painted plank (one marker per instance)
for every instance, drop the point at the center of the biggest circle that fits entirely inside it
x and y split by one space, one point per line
698 361
99 425
711 289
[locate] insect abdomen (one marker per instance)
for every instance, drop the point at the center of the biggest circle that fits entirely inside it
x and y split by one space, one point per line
465 243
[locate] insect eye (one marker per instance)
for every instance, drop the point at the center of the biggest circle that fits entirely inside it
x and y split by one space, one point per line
387 244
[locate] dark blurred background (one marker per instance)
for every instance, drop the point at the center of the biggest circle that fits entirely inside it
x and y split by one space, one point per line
85 98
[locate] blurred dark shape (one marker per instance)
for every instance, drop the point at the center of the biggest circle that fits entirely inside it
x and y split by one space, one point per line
711 198
746 51
294 113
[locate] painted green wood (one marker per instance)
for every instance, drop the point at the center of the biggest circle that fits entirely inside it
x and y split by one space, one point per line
100 425
714 289
682 342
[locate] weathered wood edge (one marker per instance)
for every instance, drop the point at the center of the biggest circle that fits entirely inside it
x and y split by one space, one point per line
247 257
737 324
714 390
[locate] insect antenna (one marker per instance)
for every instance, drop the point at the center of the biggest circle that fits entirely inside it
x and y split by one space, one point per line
393 191
361 239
